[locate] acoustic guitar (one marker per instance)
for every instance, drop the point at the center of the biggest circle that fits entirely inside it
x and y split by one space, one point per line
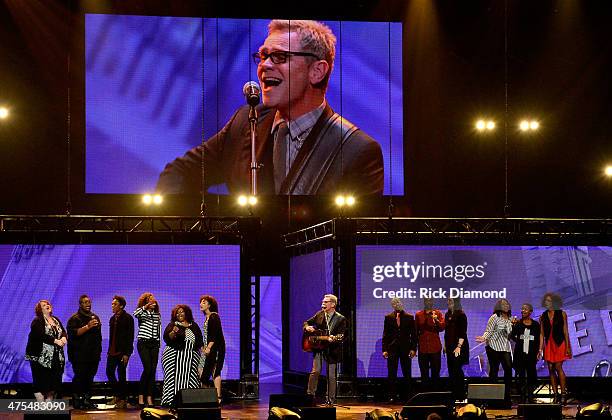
318 340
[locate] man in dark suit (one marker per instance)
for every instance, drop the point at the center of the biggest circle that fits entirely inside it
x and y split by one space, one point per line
334 325
120 348
304 146
84 351
399 343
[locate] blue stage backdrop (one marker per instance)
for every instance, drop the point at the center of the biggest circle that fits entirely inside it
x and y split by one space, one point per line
480 275
311 276
149 87
61 273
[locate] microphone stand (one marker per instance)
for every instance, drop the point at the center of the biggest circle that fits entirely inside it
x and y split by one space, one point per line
254 164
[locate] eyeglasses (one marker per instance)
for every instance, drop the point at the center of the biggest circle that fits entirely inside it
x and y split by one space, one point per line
279 57
327 301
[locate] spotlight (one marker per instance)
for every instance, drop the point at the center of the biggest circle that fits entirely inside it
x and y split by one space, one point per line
4 112
608 171
534 125
481 125
242 200
597 410
252 200
157 199
379 414
350 200
340 201
470 411
490 125
524 125
147 199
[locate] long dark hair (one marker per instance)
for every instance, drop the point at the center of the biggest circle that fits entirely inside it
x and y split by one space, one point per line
557 301
498 309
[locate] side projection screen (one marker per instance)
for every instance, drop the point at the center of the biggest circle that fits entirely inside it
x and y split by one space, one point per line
156 86
175 274
480 276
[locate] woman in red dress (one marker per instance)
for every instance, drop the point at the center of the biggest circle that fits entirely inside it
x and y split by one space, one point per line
554 342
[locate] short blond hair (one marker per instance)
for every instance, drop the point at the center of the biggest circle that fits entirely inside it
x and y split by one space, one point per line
315 37
333 298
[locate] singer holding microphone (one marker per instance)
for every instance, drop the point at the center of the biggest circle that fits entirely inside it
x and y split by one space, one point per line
297 134
181 356
429 324
84 351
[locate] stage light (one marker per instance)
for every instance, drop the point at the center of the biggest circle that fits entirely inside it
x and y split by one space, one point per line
597 410
147 199
340 201
252 200
608 171
481 125
157 199
524 125
379 414
350 200
4 112
470 411
534 125
490 125
243 200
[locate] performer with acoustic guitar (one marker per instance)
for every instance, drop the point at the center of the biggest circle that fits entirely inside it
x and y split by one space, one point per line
323 335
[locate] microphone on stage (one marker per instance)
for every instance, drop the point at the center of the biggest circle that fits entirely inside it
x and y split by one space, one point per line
251 92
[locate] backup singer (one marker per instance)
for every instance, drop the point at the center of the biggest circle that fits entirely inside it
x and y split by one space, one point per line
213 350
149 327
45 351
456 345
429 324
84 351
399 344
298 133
335 325
526 335
554 342
120 348
496 335
181 356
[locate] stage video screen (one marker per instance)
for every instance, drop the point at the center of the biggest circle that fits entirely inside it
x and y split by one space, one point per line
480 276
154 86
175 274
311 276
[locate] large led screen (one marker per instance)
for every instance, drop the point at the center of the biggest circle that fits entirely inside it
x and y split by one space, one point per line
311 276
481 275
154 86
61 273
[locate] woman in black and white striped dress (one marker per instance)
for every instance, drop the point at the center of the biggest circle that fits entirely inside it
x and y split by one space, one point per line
497 342
149 328
181 356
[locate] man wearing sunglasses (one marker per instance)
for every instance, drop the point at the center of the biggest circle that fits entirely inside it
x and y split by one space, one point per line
304 146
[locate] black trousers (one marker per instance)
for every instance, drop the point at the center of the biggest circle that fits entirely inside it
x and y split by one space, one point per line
84 372
495 359
430 362
526 371
115 365
455 374
148 350
392 361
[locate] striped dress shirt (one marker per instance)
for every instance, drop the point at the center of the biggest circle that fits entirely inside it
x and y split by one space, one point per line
497 332
149 324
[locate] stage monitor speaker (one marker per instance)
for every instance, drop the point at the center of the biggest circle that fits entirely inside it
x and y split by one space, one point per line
432 398
540 411
198 397
280 413
489 395
420 412
317 413
291 401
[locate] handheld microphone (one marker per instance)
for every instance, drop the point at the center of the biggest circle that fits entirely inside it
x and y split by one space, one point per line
251 91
